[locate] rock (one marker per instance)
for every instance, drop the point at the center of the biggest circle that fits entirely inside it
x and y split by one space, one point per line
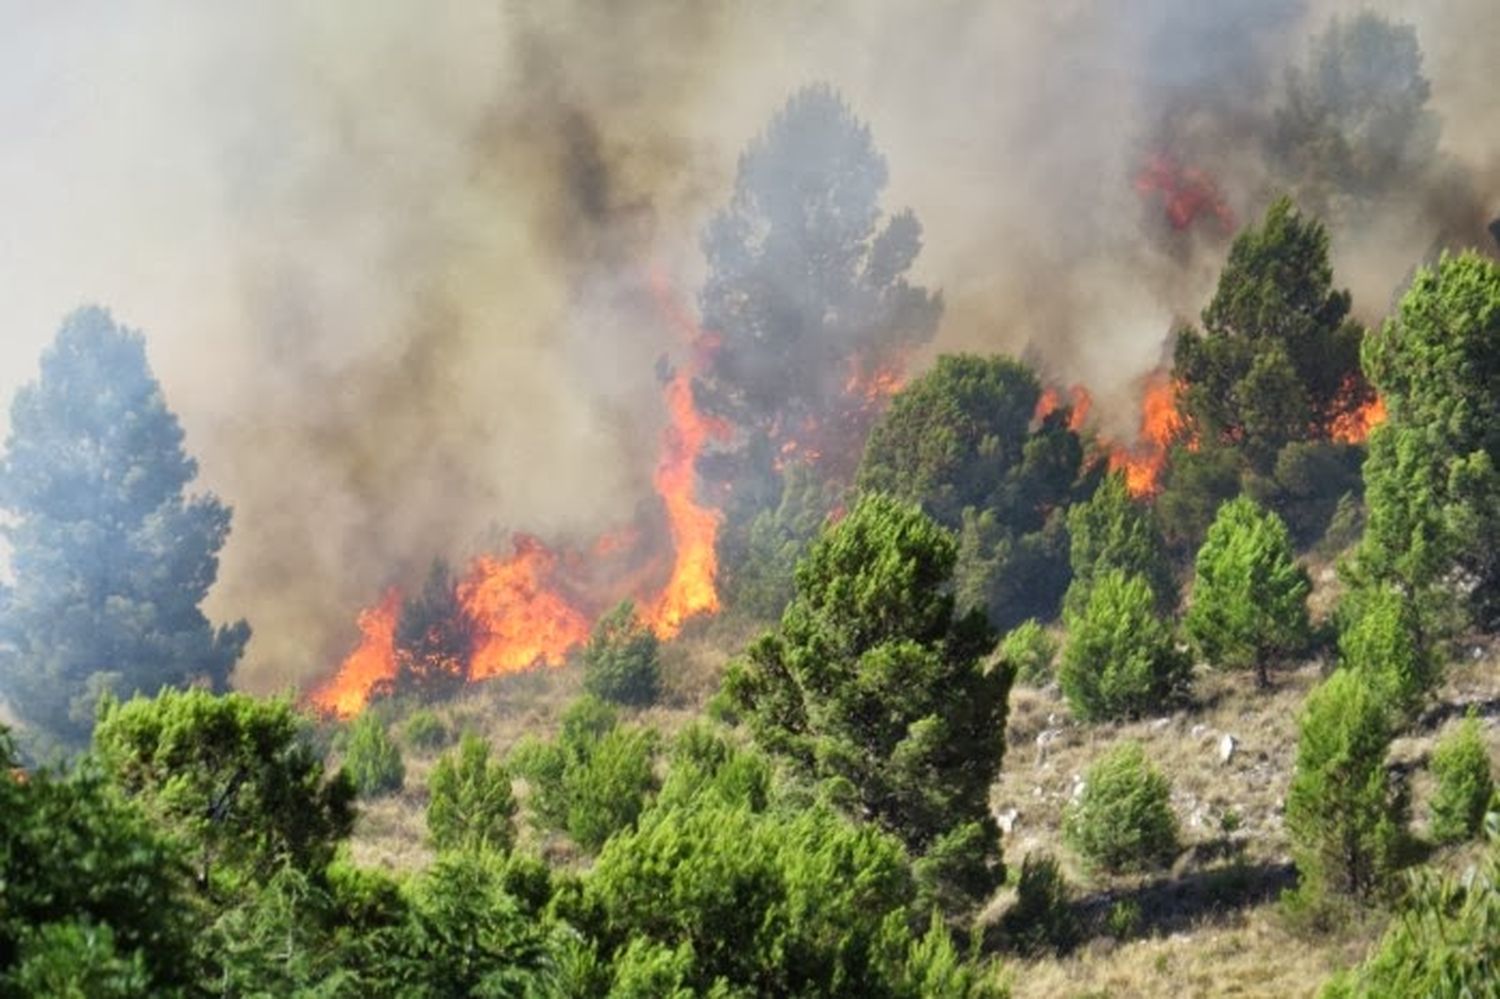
1160 724
1044 741
1197 730
1007 820
1227 744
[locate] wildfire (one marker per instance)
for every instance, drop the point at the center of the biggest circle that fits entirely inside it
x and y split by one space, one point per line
1079 403
372 663
1161 426
521 620
1354 426
1186 193
535 606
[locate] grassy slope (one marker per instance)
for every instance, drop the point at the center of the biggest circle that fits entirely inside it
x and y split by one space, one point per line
1208 927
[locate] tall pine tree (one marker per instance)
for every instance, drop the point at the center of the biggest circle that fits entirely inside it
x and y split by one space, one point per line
110 558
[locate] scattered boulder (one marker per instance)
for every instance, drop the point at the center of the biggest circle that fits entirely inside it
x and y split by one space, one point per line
1227 746
1007 820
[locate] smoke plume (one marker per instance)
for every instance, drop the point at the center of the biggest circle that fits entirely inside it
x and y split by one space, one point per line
392 259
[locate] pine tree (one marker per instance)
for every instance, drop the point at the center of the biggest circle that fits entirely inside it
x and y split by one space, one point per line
111 559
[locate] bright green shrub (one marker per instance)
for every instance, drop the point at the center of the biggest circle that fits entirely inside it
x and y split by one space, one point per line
1120 659
621 662
1029 650
470 802
1123 819
1465 785
424 730
372 759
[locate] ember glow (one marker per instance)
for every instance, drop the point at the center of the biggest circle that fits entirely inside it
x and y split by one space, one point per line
1354 426
1186 194
1079 403
372 663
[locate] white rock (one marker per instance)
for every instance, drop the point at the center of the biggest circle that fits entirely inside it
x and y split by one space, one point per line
1197 730
1227 744
1007 820
1160 724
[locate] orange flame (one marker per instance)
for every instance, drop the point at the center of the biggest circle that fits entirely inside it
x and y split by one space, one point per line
1186 192
520 620
1161 426
1354 427
1079 401
372 663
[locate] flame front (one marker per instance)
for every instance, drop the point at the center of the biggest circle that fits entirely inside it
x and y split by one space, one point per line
1354 426
372 663
1079 403
520 619
1161 426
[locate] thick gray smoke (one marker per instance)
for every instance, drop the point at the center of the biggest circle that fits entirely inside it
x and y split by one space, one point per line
391 257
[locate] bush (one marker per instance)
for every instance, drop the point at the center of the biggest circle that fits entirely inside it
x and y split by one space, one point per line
1461 766
1042 918
424 730
1029 650
471 804
372 760
1343 817
1120 659
1123 819
1381 640
1249 595
621 661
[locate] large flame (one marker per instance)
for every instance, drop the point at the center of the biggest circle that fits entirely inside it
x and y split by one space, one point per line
1079 405
536 605
372 663
520 619
1186 193
1161 426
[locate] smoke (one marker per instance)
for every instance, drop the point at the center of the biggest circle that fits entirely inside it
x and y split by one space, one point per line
391 258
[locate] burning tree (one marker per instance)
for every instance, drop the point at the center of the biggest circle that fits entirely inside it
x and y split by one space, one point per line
807 288
111 558
1273 378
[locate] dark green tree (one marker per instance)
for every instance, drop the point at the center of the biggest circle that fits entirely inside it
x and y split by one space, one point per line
470 803
872 680
234 777
1120 659
434 638
1432 485
1344 818
621 662
1249 604
94 899
111 559
963 441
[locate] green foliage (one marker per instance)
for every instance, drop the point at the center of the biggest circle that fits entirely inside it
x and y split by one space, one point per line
1114 532
620 663
434 636
1121 659
372 759
424 730
1249 595
1444 941
1276 362
705 765
1123 820
232 776
961 442
1431 483
1344 818
595 779
759 583
1124 919
470 803
94 899
1029 651
110 558
1042 918
1382 638
1465 785
873 681
1197 482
